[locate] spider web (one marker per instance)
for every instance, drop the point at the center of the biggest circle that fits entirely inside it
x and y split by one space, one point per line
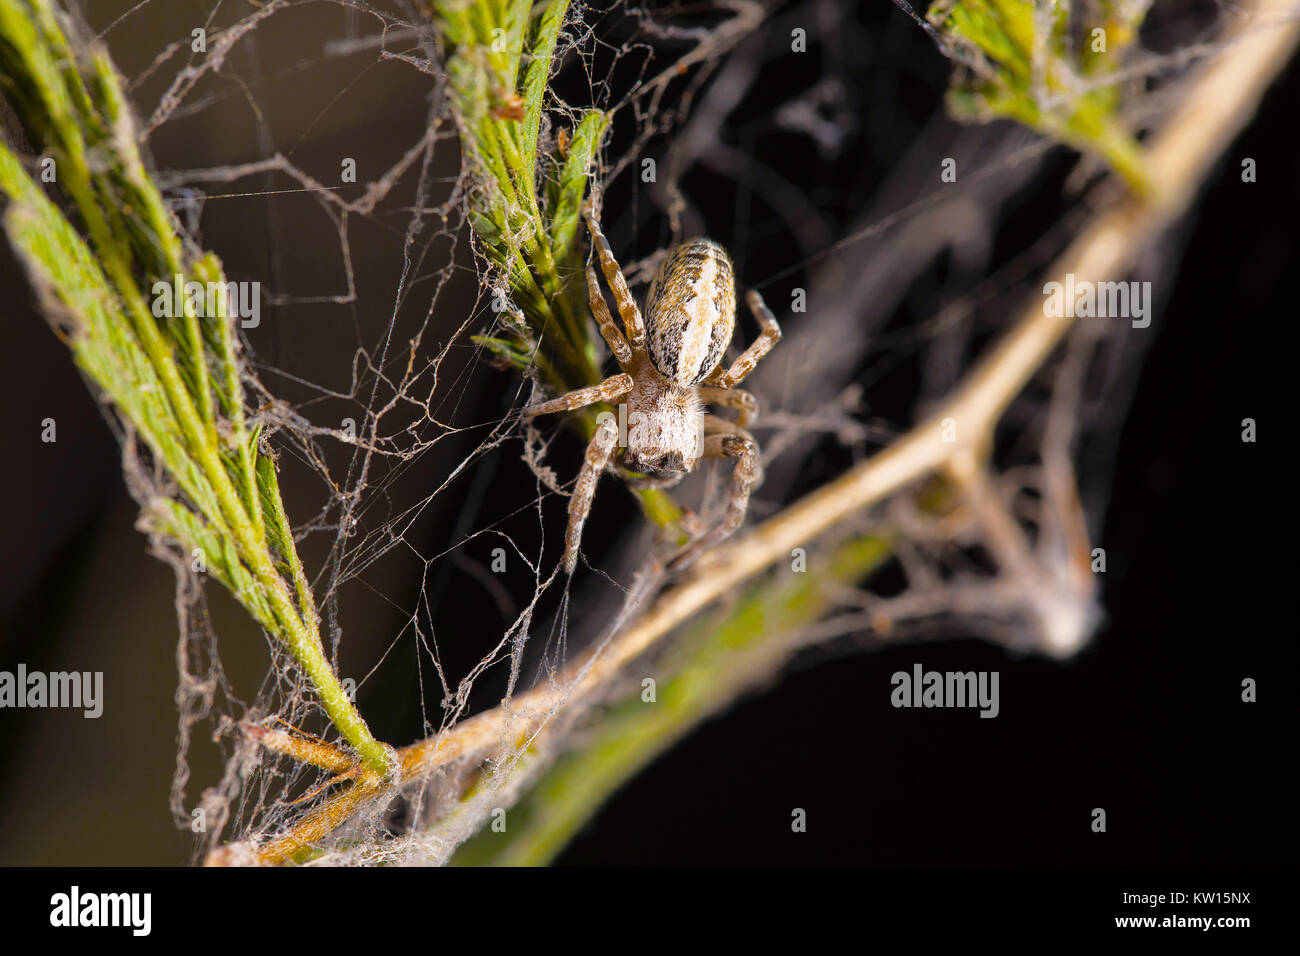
431 521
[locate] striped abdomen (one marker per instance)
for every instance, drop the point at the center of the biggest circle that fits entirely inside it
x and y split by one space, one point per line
690 311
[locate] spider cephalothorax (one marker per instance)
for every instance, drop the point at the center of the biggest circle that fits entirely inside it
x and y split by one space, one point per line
671 368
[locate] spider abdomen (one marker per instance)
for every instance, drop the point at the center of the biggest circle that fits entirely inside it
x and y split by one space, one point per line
691 311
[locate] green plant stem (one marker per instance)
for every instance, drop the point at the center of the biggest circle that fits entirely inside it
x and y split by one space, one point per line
529 242
1034 70
71 107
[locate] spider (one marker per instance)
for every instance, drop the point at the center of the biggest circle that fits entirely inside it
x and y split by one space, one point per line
671 368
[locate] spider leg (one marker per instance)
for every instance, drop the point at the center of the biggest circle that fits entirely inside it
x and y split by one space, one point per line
745 404
599 450
713 425
618 346
770 335
627 307
726 441
616 386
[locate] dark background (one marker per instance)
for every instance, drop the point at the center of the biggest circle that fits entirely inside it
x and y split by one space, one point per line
1146 722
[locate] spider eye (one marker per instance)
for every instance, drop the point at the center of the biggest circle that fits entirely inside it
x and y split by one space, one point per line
670 463
660 465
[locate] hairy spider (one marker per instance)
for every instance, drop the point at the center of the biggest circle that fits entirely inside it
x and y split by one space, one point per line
667 377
